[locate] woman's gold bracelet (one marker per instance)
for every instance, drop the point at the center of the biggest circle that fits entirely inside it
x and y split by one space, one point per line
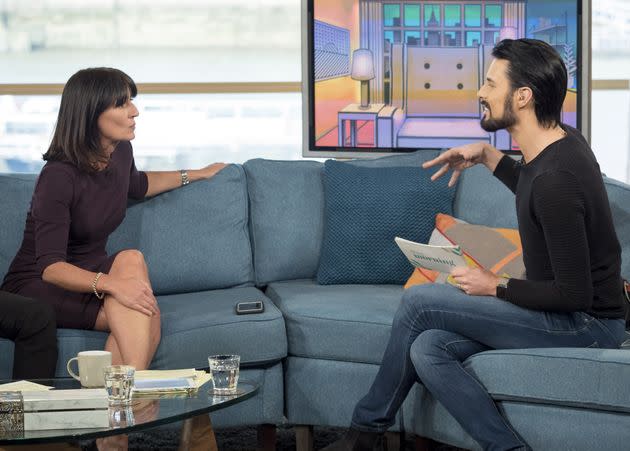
96 293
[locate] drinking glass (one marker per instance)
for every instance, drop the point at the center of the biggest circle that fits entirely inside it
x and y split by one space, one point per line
119 382
224 371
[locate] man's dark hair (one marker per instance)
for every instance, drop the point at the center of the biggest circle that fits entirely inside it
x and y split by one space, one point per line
85 96
536 65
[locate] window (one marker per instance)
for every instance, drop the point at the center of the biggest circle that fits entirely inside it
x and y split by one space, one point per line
610 112
173 131
452 38
452 16
491 37
432 16
611 39
154 41
391 15
473 38
440 23
392 37
493 16
472 15
432 38
169 42
412 37
412 15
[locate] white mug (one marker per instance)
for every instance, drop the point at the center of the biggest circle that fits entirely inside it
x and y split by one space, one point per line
91 365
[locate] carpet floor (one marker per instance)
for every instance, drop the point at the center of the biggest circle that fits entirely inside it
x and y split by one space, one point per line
237 439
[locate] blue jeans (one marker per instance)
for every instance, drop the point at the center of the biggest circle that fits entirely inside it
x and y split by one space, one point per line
437 327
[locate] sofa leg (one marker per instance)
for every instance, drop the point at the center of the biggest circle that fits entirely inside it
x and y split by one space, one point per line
303 438
426 444
393 441
267 437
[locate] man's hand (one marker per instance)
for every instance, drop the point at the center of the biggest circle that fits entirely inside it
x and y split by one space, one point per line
460 158
476 281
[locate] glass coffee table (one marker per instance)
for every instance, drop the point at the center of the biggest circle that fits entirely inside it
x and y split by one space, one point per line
145 412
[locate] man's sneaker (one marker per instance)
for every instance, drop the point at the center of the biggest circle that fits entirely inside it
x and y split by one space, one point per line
355 440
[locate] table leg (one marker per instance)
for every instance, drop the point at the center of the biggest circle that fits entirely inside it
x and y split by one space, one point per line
341 135
185 435
353 133
303 438
197 435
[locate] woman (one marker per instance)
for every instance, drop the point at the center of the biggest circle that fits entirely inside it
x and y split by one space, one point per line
80 198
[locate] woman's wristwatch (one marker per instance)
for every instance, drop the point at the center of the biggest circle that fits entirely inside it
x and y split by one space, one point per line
502 288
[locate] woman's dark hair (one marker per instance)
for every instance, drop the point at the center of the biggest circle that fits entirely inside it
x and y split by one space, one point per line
536 65
85 96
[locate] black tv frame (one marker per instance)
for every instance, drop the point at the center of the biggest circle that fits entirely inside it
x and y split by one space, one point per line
584 83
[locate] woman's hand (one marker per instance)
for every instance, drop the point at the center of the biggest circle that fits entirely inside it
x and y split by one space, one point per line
133 293
458 159
476 281
210 170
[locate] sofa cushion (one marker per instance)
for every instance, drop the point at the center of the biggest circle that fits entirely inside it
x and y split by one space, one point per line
589 378
196 325
365 209
287 209
336 322
482 199
193 238
286 201
17 191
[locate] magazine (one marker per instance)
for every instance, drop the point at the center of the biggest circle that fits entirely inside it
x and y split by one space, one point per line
435 258
156 381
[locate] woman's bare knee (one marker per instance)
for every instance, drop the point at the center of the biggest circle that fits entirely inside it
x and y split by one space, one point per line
129 257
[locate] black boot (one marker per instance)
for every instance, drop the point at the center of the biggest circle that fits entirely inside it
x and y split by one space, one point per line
355 440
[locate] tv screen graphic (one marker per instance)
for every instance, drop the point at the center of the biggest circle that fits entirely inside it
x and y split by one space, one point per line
382 76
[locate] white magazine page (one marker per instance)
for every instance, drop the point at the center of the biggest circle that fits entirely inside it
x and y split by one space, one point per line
434 258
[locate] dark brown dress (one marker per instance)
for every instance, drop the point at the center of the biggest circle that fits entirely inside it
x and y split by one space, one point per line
71 216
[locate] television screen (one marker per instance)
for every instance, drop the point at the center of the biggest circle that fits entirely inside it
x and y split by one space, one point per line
383 76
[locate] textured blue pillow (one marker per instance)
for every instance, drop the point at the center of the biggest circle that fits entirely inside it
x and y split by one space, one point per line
364 209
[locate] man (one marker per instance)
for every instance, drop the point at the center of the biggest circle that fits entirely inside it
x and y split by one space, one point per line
32 327
573 292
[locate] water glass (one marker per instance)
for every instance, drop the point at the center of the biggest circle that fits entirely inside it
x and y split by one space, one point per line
224 372
121 416
119 382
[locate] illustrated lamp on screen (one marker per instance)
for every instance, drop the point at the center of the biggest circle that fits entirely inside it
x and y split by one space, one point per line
363 70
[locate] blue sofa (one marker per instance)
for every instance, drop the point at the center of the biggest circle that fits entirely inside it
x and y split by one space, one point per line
254 232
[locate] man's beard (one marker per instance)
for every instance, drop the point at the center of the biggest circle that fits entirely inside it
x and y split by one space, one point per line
508 119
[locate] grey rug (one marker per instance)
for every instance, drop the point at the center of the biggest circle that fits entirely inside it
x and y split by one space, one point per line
237 439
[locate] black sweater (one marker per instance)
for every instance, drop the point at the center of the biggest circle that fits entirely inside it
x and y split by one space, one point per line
570 248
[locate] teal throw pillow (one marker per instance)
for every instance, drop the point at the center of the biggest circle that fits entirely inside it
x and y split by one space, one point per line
364 209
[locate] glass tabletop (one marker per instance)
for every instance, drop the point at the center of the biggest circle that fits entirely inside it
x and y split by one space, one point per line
146 411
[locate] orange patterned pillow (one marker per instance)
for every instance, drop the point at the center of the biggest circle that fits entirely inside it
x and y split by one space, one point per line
496 249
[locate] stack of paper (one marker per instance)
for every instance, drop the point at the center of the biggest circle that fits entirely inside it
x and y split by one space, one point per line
23 386
169 381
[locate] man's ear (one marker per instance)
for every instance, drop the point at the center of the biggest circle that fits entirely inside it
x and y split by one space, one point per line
524 96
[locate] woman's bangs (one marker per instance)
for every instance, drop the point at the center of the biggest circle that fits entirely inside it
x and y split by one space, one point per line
123 90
